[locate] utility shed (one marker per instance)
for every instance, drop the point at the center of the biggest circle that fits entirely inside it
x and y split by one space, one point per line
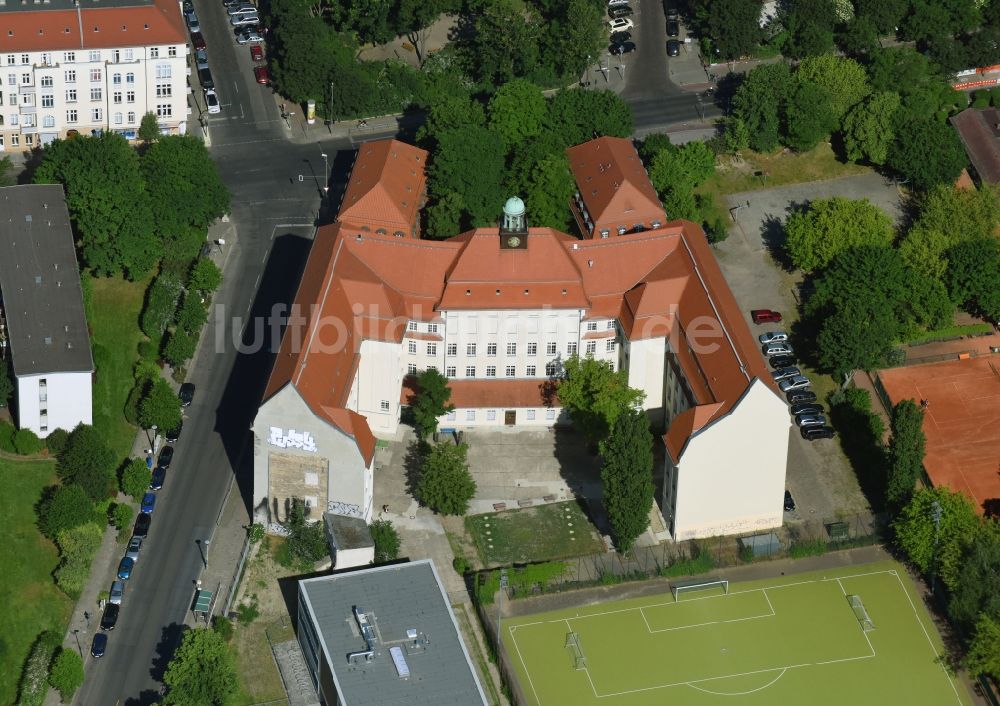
350 541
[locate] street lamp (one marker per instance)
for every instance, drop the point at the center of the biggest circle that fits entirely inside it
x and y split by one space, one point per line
203 551
326 174
76 634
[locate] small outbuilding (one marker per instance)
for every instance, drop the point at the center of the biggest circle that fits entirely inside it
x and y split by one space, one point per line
350 541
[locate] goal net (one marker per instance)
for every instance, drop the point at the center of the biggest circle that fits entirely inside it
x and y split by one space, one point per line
678 588
861 613
576 650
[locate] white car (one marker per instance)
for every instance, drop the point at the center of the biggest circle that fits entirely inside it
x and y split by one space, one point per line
616 3
240 20
772 337
621 24
212 101
117 592
249 35
777 348
810 420
794 383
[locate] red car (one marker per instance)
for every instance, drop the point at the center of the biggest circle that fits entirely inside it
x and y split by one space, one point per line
198 41
257 54
260 73
765 316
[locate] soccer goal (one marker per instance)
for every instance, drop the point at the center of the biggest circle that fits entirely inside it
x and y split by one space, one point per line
576 650
861 613
700 585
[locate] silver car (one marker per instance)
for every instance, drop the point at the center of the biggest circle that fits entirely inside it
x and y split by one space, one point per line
244 8
772 337
134 545
810 420
201 59
117 592
777 348
783 373
796 382
240 20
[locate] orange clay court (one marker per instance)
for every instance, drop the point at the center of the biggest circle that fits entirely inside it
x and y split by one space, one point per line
961 422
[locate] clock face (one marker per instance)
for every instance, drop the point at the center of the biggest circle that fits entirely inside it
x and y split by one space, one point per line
513 241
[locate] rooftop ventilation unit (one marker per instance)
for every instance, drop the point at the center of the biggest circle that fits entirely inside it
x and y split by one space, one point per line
367 634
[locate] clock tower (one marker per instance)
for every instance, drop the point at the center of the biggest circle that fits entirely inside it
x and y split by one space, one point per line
513 226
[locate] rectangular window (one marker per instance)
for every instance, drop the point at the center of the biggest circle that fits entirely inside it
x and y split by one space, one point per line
452 349
432 349
531 415
451 416
450 371
25 79
117 97
412 326
29 120
411 347
550 349
611 325
49 121
511 349
130 77
510 371
384 405
27 98
12 120
571 349
69 56
163 71
491 371
11 60
131 118
15 140
71 95
491 415
470 415
94 55
48 101
164 110
530 371
164 90
71 116
591 347
470 371
118 118
550 414
154 52
532 348
69 76
411 369
97 115
591 325
95 74
491 349
611 345
470 349
11 79
130 96
129 55
432 328
116 79
46 58
25 59
96 94
45 82
550 369
171 51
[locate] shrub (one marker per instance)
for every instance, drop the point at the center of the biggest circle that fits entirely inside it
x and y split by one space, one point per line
812 547
56 441
224 626
981 99
66 674
149 351
78 547
7 432
161 302
461 565
386 540
192 314
89 462
135 395
122 516
246 613
27 443
699 564
64 508
205 276
33 686
180 347
256 532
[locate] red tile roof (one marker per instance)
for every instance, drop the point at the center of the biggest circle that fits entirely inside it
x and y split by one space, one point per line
97 27
979 129
386 188
613 185
474 394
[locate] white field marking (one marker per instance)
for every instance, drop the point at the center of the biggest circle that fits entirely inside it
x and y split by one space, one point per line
513 638
764 591
716 622
740 693
643 614
700 681
937 656
840 583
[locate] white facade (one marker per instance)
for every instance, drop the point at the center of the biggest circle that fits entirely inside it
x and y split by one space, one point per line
53 401
46 94
731 475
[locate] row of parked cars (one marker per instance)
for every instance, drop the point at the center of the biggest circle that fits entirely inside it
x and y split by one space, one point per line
126 567
806 411
621 24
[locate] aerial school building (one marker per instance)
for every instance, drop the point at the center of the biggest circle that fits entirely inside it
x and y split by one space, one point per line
498 310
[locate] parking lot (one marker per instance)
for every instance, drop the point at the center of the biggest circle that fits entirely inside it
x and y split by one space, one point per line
819 475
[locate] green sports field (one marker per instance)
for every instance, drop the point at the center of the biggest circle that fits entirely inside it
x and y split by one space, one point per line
787 641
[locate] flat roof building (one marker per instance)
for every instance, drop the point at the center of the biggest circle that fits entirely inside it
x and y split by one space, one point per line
384 636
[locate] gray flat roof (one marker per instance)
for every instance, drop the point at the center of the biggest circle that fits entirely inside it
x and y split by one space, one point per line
48 5
40 282
348 532
395 598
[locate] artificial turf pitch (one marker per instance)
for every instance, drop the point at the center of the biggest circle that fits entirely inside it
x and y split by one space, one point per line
790 640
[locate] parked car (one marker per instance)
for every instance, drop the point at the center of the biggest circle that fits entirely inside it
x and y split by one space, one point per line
674 49
198 41
148 503
764 316
157 478
783 373
772 336
261 74
250 35
243 8
192 21
813 433
205 76
188 7
125 568
110 617
620 11
801 396
142 525
777 348
673 28
233 3
781 361
257 54
244 20
613 3
174 434
794 383
212 101
166 456
99 645
132 552
201 59
621 24
621 48
619 37
186 394
671 11
117 593
789 501
806 408
810 420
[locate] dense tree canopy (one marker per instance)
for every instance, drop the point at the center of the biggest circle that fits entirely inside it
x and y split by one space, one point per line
446 485
469 161
548 192
809 116
869 128
937 548
64 508
759 103
517 111
844 80
627 477
202 671
972 277
977 590
732 25
926 152
905 453
594 395
578 115
88 461
814 236
160 407
430 401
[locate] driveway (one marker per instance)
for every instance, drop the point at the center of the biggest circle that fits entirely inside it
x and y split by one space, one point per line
819 475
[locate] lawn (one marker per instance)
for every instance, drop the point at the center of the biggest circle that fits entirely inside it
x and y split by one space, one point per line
779 169
115 335
31 602
787 640
260 681
533 534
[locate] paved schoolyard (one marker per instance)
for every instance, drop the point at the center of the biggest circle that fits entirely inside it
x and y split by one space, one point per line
819 476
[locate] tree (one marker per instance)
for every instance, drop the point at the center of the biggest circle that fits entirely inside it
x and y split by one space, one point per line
160 407
906 453
6 386
937 548
306 540
66 674
503 45
869 128
386 540
759 102
517 111
33 687
431 401
107 201
202 671
681 168
470 162
576 116
413 17
447 114
549 189
594 395
136 477
733 25
191 314
26 442
180 348
6 167
972 276
984 648
885 14
444 217
927 152
859 37
161 303
574 36
844 80
77 547
809 24
977 590
205 276
149 128
815 236
652 144
56 441
64 508
627 476
809 116
446 485
89 462
122 516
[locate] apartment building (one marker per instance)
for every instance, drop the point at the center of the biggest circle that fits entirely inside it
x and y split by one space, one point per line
83 68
